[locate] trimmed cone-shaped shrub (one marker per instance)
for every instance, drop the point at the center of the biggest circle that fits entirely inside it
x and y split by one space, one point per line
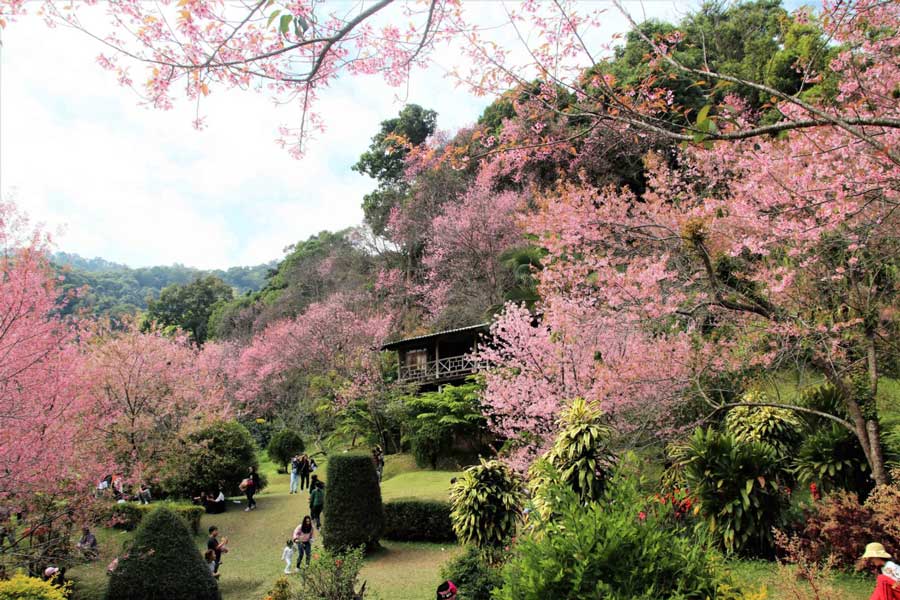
354 515
162 564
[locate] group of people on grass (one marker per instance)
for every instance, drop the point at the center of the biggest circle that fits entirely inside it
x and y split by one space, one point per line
213 503
122 491
301 467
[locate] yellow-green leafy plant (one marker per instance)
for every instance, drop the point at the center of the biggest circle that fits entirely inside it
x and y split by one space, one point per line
487 504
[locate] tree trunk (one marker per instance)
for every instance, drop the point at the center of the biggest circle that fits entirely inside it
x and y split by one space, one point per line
879 473
867 431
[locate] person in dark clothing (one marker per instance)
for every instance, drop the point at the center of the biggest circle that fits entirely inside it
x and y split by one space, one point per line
251 487
87 545
217 545
316 501
305 469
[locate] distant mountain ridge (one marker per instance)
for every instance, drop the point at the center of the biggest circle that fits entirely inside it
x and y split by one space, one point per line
115 289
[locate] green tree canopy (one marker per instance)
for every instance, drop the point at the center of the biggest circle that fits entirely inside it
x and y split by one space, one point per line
384 161
190 306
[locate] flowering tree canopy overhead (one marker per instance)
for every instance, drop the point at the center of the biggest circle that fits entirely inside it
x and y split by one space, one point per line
292 50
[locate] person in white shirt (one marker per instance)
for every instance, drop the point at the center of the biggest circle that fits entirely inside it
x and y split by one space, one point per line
287 555
878 557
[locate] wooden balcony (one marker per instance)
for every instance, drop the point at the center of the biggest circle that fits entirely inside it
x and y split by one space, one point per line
438 371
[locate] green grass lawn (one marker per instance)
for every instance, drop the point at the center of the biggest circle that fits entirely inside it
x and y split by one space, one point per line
401 571
753 575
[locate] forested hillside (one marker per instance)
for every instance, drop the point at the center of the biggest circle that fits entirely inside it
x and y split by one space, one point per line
116 289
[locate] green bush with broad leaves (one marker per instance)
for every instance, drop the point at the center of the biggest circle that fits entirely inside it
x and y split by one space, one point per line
163 563
353 508
738 490
621 547
283 446
582 454
834 460
487 504
781 428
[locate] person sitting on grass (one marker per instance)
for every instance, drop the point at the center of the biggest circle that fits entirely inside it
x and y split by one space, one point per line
87 545
144 494
887 586
216 504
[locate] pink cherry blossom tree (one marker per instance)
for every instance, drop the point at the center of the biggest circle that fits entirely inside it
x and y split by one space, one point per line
335 340
464 250
143 391
40 412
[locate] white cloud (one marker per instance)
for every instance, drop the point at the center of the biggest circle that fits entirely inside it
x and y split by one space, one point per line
140 186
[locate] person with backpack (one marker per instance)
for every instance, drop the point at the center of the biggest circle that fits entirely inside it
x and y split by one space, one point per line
316 500
295 473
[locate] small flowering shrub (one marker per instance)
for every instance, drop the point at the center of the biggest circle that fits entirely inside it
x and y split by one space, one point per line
621 547
332 576
22 587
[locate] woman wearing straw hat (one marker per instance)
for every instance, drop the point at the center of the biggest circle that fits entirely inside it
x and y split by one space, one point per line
887 586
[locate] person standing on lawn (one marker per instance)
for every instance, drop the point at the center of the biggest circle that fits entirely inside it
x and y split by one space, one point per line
252 487
217 545
303 538
305 470
287 555
316 500
295 473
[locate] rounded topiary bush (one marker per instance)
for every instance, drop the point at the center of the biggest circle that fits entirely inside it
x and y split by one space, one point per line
354 515
216 455
162 564
284 445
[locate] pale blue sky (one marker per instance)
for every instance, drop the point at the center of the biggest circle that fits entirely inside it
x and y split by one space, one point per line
142 187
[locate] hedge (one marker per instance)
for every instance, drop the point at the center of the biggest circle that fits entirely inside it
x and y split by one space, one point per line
130 514
418 521
354 515
163 563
